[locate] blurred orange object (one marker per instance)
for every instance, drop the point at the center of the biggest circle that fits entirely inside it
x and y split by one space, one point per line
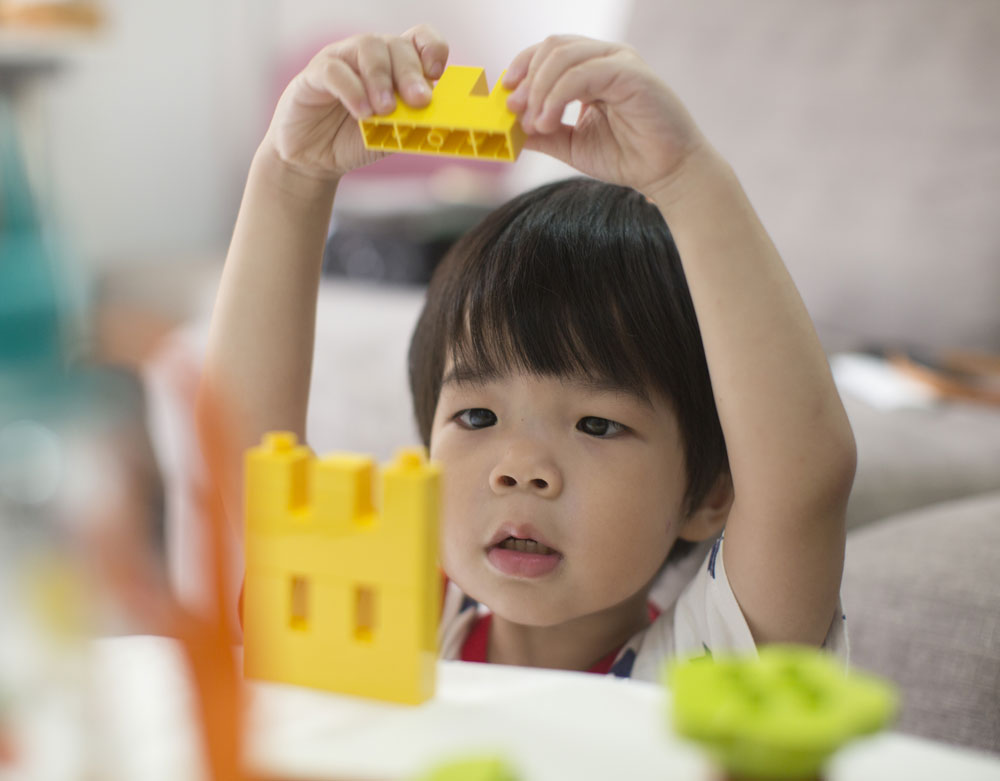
51 15
7 753
958 375
203 633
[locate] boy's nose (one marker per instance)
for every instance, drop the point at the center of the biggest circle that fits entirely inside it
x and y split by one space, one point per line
524 473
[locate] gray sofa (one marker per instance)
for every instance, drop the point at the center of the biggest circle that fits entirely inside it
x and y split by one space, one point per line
921 582
922 594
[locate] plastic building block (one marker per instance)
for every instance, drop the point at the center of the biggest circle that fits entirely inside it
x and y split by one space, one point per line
463 119
485 768
779 716
342 589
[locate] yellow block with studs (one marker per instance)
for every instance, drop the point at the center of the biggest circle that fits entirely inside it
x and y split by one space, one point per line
342 589
463 119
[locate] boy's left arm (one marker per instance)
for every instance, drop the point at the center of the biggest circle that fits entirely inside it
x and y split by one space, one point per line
791 449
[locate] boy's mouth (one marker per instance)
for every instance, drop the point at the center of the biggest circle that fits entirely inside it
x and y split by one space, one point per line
523 557
525 546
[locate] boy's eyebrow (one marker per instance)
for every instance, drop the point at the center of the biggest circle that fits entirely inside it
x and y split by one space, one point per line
607 385
466 376
593 384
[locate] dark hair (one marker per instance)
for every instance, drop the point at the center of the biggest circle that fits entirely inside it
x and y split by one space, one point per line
573 278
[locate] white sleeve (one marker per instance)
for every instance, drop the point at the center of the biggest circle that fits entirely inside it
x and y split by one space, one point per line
706 619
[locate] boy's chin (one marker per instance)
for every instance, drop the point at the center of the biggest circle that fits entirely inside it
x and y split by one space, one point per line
528 612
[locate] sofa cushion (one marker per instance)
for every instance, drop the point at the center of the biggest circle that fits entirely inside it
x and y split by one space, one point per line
910 458
922 597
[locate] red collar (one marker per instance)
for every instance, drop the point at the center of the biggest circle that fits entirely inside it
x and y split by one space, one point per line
475 645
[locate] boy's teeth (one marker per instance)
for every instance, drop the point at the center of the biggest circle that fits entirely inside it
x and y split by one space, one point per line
525 546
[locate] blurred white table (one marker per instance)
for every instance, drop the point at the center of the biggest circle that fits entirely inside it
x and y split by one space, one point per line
548 724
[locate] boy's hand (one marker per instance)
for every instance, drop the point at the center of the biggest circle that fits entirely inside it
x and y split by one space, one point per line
314 129
632 129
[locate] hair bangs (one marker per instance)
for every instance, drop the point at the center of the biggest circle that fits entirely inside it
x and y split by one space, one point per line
525 306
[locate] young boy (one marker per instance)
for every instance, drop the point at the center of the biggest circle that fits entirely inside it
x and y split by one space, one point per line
558 372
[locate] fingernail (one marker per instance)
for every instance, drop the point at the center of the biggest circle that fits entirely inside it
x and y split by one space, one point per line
419 91
386 101
435 70
364 109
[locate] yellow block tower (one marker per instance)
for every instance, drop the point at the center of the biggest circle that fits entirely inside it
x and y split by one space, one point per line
342 592
463 119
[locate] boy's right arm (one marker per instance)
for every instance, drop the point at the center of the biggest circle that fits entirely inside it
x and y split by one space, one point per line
259 358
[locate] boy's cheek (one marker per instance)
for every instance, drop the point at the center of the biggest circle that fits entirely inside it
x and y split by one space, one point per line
452 546
454 555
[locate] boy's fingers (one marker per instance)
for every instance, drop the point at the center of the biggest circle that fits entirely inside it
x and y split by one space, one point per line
555 144
518 69
331 76
375 67
408 72
550 67
431 48
587 82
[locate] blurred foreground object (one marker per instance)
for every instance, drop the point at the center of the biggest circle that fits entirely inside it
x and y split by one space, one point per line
779 716
80 499
473 768
50 15
342 589
66 475
29 306
463 119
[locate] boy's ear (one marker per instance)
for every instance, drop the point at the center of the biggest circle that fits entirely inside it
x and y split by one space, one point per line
710 516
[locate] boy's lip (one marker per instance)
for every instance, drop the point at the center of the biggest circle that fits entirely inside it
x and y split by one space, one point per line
520 531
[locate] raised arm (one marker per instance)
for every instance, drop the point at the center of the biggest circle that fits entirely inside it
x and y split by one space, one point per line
260 344
790 446
791 449
259 360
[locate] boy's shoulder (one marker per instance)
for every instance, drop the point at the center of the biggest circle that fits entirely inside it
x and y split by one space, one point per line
701 616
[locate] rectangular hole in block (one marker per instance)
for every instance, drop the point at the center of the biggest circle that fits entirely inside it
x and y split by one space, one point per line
493 145
415 139
379 136
403 135
299 596
365 614
455 142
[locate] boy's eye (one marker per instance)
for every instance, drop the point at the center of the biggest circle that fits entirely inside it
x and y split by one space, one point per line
599 427
476 418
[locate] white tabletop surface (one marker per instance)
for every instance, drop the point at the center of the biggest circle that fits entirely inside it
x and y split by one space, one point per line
547 724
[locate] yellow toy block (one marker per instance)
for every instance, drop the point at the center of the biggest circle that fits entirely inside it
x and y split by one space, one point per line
463 119
342 590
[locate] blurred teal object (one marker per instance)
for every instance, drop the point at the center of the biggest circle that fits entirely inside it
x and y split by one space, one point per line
38 379
30 323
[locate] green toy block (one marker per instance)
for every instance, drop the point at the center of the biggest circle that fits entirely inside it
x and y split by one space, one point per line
473 768
778 716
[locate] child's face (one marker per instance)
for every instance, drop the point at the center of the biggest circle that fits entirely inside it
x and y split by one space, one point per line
595 475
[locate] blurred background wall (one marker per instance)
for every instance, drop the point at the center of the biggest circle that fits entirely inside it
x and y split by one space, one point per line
152 123
867 133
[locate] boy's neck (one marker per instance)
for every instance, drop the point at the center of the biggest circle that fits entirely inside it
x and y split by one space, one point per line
574 645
